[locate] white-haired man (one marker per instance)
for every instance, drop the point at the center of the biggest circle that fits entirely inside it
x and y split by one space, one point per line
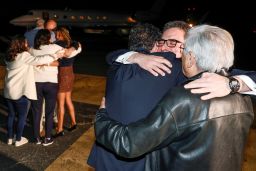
184 132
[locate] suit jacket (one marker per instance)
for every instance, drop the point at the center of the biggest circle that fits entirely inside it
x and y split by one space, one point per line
251 74
131 93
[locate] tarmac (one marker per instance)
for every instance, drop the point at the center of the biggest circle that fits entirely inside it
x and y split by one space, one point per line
71 151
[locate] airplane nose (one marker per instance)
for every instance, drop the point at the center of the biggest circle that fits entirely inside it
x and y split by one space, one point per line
16 22
13 21
25 20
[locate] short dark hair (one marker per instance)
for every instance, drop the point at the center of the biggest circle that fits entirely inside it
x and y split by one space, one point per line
42 37
143 37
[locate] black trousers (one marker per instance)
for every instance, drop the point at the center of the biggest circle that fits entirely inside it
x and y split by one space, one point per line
47 91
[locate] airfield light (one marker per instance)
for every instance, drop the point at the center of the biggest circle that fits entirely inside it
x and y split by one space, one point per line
131 20
73 17
55 16
81 17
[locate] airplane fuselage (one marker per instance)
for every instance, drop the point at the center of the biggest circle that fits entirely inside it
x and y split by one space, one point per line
81 18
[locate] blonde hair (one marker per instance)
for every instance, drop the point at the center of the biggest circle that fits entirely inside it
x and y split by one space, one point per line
64 33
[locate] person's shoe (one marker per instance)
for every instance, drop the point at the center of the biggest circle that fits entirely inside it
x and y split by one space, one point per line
38 141
47 141
59 134
11 141
72 128
22 141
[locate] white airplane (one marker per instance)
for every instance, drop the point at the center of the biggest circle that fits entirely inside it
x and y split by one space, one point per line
91 20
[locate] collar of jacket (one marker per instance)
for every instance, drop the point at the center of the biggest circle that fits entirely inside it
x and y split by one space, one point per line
223 72
197 76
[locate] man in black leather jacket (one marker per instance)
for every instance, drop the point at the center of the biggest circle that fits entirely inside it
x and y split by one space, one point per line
183 132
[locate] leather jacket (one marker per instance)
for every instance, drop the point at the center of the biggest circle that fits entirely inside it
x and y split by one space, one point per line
183 133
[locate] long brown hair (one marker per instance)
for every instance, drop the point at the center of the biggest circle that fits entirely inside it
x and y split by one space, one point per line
64 33
17 45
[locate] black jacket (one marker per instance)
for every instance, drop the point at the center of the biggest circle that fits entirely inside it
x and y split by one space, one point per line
183 133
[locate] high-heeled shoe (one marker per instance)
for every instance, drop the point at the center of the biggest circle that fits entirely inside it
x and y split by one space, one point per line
72 128
59 134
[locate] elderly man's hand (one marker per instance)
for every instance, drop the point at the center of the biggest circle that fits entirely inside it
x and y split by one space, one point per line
213 84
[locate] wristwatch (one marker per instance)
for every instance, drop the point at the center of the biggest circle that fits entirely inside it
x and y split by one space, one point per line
234 85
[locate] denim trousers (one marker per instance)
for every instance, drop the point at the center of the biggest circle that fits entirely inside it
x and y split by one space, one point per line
21 108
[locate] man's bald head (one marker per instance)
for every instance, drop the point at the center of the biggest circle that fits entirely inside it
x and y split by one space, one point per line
50 24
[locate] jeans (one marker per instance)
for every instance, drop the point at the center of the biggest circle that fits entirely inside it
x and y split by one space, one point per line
21 107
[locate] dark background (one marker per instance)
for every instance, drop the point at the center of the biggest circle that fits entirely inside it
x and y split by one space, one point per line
239 18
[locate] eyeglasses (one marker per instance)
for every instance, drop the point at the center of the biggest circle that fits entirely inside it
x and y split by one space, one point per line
169 42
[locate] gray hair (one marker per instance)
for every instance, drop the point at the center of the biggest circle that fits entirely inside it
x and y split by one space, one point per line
212 46
40 22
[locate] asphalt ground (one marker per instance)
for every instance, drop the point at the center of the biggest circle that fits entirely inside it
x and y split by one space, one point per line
38 157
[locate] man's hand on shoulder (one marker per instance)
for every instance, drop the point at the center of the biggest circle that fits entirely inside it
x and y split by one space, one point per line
213 84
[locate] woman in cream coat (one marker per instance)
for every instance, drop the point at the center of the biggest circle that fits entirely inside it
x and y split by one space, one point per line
20 86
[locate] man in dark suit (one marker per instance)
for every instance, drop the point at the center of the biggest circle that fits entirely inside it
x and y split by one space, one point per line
130 90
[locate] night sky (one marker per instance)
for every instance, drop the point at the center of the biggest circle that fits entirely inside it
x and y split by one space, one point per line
239 20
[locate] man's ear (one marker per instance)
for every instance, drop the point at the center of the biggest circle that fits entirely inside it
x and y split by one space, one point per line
191 59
